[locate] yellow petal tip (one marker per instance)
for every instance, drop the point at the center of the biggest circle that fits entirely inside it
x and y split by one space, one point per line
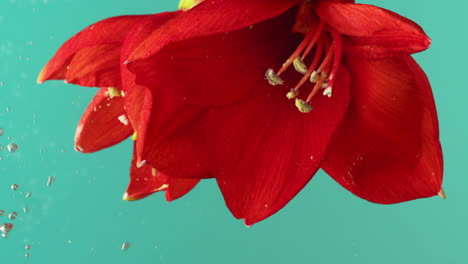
125 197
40 77
442 194
187 4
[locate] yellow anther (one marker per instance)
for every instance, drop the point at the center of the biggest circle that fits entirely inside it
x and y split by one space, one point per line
314 77
113 92
292 94
187 4
273 78
302 106
134 136
323 75
299 65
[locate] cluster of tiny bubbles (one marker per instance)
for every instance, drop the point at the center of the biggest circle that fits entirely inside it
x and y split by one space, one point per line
27 248
11 146
7 225
8 219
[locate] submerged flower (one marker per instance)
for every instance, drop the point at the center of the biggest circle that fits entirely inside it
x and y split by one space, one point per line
93 58
261 94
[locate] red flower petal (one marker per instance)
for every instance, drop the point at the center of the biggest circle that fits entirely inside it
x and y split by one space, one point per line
179 187
265 150
100 126
138 99
388 149
375 32
210 18
175 139
108 31
146 180
95 66
215 69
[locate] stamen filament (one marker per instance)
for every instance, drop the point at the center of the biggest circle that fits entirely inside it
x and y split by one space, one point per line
318 33
325 63
326 44
315 61
316 88
297 52
336 60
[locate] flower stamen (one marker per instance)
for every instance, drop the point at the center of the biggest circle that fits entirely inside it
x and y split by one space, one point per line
273 78
322 70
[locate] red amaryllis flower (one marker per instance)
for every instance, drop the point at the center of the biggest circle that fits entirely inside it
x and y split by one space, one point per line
93 58
260 94
377 135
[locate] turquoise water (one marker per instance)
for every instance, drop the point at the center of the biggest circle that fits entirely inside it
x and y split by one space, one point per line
81 218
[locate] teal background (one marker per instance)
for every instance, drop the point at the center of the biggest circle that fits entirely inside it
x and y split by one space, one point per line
81 217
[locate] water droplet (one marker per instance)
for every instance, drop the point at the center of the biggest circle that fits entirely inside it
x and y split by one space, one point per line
14 187
25 210
125 245
13 215
50 180
2 212
28 194
2 131
27 255
27 247
12 147
5 235
1 147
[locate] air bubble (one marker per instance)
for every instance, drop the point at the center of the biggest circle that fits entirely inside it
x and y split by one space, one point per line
12 147
27 247
6 227
28 194
2 212
13 215
2 131
14 187
125 245
50 180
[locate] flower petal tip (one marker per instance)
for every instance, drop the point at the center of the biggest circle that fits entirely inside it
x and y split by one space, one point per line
80 149
126 197
40 77
442 194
